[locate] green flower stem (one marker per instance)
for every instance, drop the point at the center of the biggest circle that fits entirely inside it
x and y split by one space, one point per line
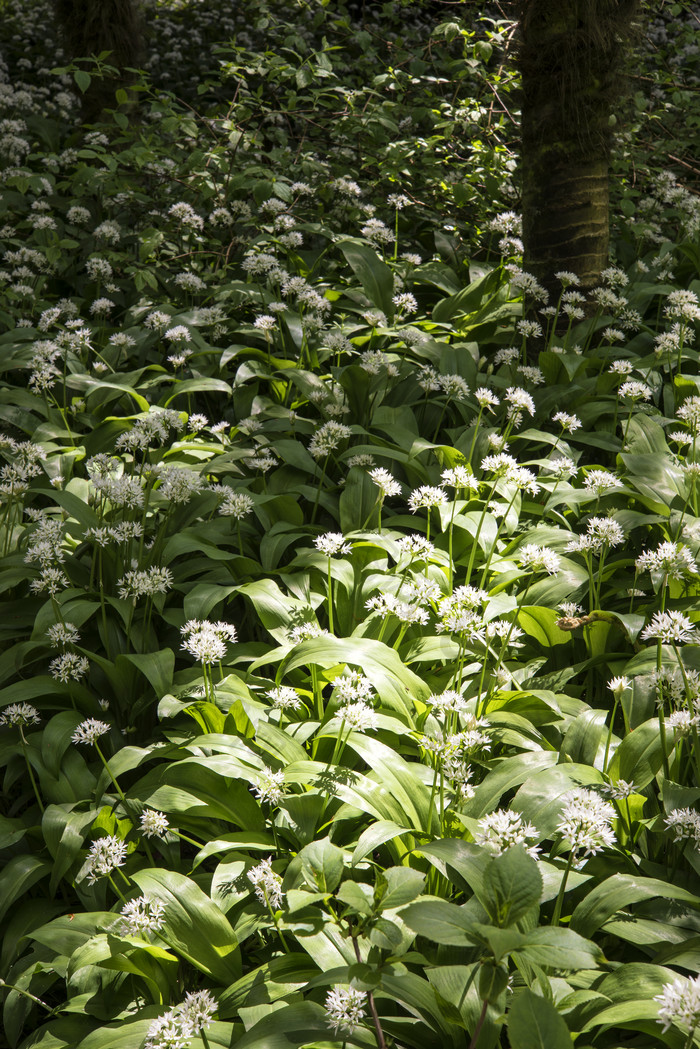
562 889
379 1034
479 1024
30 770
330 599
318 490
610 732
184 837
27 994
662 717
476 434
472 554
492 549
116 888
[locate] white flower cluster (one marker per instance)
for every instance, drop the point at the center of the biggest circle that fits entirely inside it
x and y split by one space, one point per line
673 560
685 823
105 854
267 884
89 731
332 543
679 1003
19 715
176 1028
502 829
207 641
673 628
585 824
345 1009
142 915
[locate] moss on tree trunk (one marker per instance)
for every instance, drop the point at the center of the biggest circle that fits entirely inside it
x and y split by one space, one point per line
570 52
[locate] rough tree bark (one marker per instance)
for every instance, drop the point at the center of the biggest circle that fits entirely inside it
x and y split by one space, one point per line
89 27
570 53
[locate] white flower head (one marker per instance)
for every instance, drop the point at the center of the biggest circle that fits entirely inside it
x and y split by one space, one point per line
502 829
679 1003
20 714
345 1009
585 824
89 731
267 884
332 543
154 824
142 915
385 482
105 854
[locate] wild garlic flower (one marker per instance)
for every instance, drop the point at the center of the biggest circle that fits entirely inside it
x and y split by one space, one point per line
561 467
426 496
352 687
416 546
385 482
448 702
569 423
176 1028
405 611
149 582
685 823
599 482
506 355
105 854
459 477
345 1009
207 641
682 305
270 786
585 824
602 532
689 413
63 634
304 631
284 698
501 830
142 915
538 559
267 884
328 437
454 386
672 628
236 504
154 824
618 685
679 1003
19 715
69 667
683 722
518 401
332 543
89 731
635 390
359 716
673 560
405 303
486 399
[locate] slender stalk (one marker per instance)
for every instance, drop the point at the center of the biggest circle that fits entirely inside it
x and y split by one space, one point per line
562 889
479 1024
379 1034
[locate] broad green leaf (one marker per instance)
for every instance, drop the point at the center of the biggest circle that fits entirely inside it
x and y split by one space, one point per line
441 922
618 892
374 274
638 758
322 865
195 927
397 886
534 1023
512 886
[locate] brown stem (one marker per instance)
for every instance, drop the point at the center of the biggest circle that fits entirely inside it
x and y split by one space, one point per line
480 1024
372 1007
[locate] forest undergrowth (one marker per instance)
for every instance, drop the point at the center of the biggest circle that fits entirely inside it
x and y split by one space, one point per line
350 664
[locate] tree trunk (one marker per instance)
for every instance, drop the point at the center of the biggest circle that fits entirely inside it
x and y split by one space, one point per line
89 27
569 56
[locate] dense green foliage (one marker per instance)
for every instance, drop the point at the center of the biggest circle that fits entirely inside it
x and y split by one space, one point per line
350 668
